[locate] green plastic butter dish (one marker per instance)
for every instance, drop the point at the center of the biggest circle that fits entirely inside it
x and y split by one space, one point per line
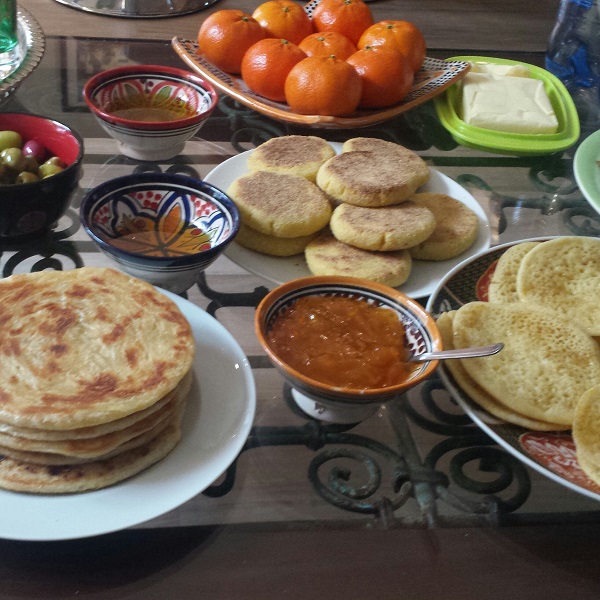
448 107
586 167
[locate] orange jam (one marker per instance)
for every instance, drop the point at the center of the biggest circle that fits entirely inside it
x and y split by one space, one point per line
342 342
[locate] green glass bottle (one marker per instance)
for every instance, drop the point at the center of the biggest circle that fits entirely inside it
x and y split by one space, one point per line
8 26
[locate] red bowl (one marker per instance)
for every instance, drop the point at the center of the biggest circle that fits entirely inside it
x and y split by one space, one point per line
29 210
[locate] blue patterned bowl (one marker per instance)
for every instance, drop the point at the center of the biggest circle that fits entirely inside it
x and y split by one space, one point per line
343 404
161 227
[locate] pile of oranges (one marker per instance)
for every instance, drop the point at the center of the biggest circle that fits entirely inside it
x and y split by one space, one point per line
332 64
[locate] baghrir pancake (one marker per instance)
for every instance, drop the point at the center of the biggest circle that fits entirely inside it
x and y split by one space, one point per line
563 275
503 284
479 395
92 388
586 433
547 362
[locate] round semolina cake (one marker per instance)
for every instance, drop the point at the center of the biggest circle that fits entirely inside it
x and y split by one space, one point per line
326 255
300 155
457 227
271 245
372 179
279 204
382 229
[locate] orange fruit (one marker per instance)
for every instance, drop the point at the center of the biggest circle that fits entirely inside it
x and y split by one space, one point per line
327 43
402 35
348 17
386 74
225 36
284 19
266 65
320 85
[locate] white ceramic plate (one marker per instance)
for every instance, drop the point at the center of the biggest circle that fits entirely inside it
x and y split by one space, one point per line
216 424
552 454
424 275
587 169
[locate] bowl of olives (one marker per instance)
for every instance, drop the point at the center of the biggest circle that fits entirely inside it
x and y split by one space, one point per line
40 167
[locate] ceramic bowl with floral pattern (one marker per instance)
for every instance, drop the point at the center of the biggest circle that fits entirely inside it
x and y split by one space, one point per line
164 228
344 404
150 110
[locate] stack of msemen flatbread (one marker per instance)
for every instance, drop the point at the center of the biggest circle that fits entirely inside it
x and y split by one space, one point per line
543 305
94 376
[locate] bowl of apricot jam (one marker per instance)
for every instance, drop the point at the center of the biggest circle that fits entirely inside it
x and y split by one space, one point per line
345 340
165 228
151 110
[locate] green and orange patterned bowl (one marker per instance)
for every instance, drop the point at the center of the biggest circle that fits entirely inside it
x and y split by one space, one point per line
164 228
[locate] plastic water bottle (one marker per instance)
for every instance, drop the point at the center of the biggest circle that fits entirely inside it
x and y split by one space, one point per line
573 55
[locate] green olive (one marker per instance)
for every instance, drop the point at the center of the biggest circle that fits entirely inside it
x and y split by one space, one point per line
31 164
13 158
55 160
26 177
49 169
10 139
6 175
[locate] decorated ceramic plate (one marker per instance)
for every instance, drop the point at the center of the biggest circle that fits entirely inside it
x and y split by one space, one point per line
586 167
32 44
432 79
424 274
552 454
448 109
213 434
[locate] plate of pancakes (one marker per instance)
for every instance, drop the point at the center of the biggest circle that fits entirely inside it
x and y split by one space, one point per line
112 411
367 208
539 398
432 79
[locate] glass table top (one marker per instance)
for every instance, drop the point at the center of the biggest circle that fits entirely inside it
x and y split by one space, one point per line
419 463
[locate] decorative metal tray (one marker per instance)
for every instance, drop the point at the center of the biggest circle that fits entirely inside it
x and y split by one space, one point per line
32 44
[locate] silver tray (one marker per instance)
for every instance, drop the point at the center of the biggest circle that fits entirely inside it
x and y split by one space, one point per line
31 43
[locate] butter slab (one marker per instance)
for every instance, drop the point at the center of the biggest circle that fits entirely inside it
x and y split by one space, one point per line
512 104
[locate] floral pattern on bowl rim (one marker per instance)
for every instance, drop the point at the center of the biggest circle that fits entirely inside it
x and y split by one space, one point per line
177 223
150 91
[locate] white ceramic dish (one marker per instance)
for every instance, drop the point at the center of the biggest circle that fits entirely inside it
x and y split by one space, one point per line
425 274
552 454
586 167
216 424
